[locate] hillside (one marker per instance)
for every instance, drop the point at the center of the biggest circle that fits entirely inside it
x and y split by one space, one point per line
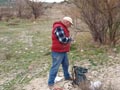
2 2
58 10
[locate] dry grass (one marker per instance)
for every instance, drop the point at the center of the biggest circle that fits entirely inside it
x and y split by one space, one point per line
25 53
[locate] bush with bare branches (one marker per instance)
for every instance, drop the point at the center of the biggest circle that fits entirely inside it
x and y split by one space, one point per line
102 18
37 8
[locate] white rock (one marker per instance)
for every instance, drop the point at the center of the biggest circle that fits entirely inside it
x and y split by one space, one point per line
95 85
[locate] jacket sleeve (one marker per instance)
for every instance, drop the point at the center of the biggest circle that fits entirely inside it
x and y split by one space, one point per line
59 32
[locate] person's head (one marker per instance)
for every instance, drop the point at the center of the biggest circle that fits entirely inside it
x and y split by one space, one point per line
67 21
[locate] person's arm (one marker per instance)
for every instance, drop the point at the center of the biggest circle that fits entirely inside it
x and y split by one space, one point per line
61 35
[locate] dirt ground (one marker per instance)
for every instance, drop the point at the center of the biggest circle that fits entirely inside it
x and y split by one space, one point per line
110 78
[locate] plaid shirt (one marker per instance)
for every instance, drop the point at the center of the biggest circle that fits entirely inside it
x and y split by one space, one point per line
61 35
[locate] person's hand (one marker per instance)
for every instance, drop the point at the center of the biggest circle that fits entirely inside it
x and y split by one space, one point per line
72 40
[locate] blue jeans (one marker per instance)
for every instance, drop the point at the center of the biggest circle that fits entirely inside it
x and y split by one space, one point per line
57 59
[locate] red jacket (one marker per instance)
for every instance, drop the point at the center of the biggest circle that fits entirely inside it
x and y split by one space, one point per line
56 45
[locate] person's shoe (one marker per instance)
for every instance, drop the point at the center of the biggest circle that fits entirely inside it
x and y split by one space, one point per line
70 79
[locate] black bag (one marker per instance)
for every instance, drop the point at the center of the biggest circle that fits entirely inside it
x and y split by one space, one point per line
78 74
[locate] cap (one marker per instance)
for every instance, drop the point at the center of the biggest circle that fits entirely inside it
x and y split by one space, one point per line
68 19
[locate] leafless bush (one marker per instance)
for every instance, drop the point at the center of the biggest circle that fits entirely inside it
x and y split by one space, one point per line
36 7
22 9
102 18
20 6
6 13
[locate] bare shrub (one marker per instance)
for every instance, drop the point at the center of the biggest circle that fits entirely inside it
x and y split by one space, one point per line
36 7
6 13
102 18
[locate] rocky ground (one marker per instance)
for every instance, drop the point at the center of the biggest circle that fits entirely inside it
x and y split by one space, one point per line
108 76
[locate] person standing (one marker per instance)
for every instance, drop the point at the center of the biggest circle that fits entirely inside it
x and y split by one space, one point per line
60 46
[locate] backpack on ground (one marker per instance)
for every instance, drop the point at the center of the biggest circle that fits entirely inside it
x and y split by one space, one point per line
78 75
